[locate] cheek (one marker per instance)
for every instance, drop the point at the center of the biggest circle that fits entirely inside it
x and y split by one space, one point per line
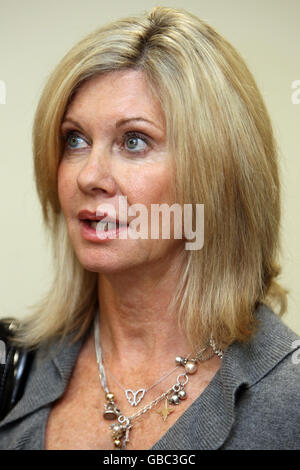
65 186
150 187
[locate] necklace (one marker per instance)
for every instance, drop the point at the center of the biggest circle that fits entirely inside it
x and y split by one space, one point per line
134 398
174 395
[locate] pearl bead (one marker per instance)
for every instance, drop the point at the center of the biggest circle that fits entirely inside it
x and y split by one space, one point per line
174 399
116 429
182 394
191 367
179 360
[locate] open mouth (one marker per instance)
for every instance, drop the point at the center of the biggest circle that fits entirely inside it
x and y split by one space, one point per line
96 227
103 226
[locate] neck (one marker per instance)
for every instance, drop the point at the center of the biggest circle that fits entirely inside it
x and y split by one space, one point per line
135 324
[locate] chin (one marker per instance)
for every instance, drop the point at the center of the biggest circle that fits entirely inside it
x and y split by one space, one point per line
96 266
101 269
99 263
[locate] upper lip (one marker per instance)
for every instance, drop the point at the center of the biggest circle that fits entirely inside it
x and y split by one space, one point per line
89 215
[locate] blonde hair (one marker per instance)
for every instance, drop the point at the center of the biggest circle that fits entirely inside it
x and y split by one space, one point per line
220 135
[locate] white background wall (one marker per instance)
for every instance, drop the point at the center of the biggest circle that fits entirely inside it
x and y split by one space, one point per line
35 34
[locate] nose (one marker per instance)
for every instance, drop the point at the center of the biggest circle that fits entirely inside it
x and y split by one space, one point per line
96 174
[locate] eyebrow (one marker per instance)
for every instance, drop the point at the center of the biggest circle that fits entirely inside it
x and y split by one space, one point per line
119 123
72 121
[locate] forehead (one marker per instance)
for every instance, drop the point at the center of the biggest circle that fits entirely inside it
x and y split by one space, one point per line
117 93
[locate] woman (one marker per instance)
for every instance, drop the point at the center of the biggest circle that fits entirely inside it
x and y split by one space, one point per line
142 343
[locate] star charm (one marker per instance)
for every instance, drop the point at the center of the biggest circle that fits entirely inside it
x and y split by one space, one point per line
164 412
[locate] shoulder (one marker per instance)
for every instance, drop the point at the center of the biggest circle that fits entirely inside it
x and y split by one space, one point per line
267 374
267 413
272 343
51 368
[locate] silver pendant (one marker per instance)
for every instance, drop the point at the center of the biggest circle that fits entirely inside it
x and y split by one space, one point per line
134 398
109 414
110 411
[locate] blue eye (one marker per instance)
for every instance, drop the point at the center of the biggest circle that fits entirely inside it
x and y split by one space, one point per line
74 141
135 143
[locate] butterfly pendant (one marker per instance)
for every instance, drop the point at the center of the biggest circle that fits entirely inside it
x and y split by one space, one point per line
134 398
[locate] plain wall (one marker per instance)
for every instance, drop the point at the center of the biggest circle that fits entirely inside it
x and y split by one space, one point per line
35 34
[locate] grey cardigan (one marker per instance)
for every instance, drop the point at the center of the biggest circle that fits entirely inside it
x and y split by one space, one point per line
251 403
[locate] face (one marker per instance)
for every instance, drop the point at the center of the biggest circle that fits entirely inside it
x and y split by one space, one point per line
114 145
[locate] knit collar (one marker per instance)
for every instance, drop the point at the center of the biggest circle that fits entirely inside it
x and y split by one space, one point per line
48 378
209 419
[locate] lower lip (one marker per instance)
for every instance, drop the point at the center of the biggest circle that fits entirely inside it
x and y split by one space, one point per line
89 233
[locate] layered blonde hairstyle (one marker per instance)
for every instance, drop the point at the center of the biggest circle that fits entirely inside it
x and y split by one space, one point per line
225 157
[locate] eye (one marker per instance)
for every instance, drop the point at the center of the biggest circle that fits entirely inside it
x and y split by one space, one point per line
134 142
73 141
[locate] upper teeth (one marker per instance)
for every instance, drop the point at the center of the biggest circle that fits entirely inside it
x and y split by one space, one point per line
103 226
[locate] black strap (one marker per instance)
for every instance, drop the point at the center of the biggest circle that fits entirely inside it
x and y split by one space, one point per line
15 365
